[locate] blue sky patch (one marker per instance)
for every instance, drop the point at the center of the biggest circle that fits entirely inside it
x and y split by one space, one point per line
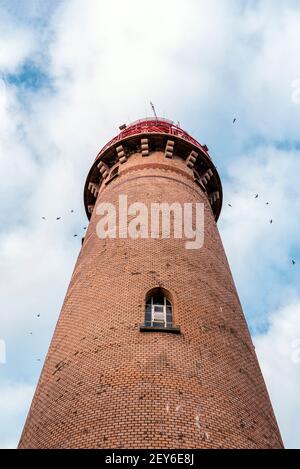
30 76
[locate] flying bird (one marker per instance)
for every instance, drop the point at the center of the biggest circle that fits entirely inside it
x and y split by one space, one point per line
271 221
72 211
38 315
293 262
234 121
74 236
58 218
84 227
256 196
229 205
267 203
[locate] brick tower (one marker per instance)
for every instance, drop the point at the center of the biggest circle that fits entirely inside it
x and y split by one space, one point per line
151 349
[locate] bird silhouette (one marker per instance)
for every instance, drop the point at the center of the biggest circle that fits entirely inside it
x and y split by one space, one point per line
271 221
229 205
43 218
72 211
58 218
74 236
234 121
84 227
256 196
293 262
267 203
38 315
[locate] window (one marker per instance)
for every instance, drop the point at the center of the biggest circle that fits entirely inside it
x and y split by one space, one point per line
158 310
114 173
158 313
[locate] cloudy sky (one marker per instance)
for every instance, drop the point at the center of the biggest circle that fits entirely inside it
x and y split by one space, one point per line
72 71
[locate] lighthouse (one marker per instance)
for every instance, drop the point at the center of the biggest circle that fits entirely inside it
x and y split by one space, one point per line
151 348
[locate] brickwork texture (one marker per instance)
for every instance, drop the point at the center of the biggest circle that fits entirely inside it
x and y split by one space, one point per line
106 384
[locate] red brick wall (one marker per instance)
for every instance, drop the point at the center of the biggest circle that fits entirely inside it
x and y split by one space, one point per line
105 384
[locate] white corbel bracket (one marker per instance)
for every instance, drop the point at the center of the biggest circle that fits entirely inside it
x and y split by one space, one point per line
145 146
94 189
191 159
169 149
90 209
213 197
103 169
121 154
206 177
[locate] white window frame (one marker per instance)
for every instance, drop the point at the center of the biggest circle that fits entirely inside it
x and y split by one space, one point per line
164 312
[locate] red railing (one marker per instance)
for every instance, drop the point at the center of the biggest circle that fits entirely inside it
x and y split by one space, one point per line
150 125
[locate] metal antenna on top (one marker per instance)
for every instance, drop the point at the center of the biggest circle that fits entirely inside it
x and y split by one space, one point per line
153 109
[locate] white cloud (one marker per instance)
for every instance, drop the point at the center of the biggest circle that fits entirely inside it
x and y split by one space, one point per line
278 353
14 400
261 253
17 42
200 62
18 165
